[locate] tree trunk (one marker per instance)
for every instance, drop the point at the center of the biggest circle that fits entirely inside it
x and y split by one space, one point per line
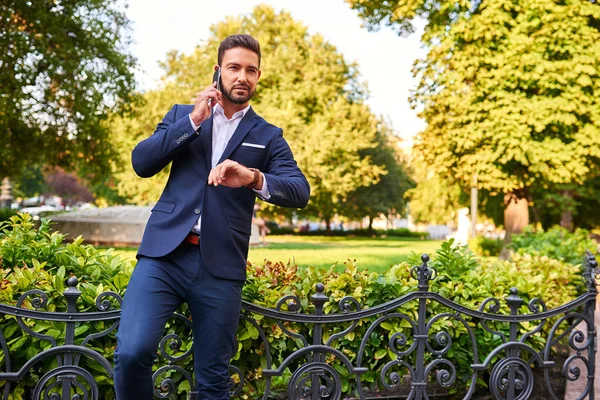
327 221
535 213
516 214
370 228
566 219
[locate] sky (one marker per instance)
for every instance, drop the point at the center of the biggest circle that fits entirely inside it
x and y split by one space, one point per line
384 59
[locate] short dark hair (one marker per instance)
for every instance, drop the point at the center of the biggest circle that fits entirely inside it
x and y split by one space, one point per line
240 40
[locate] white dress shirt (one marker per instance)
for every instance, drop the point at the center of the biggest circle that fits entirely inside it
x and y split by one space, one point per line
222 131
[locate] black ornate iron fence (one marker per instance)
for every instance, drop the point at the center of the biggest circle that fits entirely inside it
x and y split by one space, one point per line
422 356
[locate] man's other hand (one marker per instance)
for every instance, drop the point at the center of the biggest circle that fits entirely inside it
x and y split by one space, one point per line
202 104
231 174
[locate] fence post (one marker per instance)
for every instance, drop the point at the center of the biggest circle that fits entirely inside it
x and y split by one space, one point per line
424 274
319 300
514 303
590 274
71 294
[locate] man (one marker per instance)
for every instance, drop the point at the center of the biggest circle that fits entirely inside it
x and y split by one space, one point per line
195 244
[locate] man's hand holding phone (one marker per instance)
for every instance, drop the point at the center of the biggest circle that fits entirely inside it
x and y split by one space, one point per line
204 101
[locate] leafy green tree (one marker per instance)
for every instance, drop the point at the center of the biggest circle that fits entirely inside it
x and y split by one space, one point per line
334 157
509 90
30 183
586 214
64 66
433 200
440 15
387 195
307 89
569 205
126 132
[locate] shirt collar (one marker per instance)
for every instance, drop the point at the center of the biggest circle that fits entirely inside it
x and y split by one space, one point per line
220 112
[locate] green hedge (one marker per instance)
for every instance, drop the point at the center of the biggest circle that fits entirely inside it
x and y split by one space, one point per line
557 243
6 213
40 259
36 258
486 247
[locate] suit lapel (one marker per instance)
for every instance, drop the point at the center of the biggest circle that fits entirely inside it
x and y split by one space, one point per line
240 133
206 134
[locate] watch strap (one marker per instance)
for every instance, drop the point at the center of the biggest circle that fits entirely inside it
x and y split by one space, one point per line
256 179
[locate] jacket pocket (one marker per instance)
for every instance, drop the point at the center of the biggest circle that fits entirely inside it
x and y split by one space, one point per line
250 157
164 206
259 150
240 225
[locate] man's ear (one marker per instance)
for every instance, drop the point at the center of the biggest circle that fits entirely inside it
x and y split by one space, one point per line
259 73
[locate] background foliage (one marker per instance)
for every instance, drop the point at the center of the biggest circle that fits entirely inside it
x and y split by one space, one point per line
308 89
556 243
65 66
509 93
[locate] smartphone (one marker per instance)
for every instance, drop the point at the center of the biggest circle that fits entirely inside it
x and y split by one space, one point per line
217 78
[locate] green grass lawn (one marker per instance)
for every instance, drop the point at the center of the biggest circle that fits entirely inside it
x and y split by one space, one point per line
376 255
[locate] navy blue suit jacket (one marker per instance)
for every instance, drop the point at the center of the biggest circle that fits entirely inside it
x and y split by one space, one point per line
226 212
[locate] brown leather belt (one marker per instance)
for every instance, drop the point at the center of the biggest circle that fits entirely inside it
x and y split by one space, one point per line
192 238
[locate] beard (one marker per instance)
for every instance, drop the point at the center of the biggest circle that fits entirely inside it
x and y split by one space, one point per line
235 98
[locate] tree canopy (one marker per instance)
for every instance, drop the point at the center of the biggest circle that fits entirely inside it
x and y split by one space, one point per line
385 197
64 68
433 200
509 95
508 89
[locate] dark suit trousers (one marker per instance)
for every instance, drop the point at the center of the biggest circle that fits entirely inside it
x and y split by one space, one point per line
157 287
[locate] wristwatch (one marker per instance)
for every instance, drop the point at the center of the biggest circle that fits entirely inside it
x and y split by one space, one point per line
256 179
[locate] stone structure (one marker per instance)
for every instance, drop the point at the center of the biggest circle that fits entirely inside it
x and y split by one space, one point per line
112 226
6 197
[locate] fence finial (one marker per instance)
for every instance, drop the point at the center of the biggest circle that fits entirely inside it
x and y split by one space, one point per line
424 273
319 299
